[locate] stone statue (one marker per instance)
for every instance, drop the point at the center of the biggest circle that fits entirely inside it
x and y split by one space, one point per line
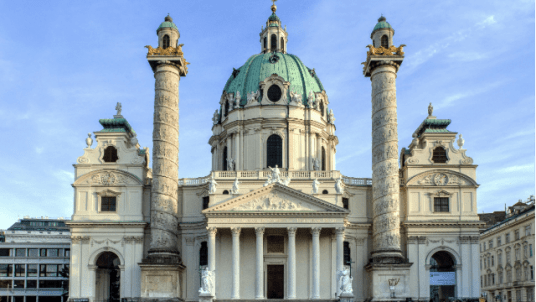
253 97
461 141
212 185
339 185
89 140
415 140
230 164
230 99
295 98
275 174
215 117
207 281
237 100
118 108
268 181
235 188
392 286
315 186
430 109
134 139
311 100
285 181
331 116
316 164
345 281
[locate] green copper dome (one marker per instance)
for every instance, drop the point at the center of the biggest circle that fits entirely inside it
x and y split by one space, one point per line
273 17
382 23
168 22
258 67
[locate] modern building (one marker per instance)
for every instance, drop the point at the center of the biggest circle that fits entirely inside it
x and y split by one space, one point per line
507 256
32 257
274 219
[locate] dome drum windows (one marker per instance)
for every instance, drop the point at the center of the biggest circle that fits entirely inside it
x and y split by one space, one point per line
274 93
274 151
274 90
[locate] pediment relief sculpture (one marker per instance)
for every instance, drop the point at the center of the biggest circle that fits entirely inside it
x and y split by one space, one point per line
274 202
108 178
441 178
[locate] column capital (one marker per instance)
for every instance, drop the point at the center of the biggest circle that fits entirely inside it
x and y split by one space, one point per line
236 231
340 230
212 230
259 231
292 231
316 230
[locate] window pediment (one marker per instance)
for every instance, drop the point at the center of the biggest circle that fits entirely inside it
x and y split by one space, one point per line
108 177
441 177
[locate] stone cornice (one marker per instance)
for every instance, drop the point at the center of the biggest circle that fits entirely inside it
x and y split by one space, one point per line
132 224
275 214
199 225
443 224
350 225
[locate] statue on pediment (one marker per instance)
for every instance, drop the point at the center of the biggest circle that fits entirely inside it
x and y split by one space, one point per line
212 185
235 188
275 174
339 185
315 186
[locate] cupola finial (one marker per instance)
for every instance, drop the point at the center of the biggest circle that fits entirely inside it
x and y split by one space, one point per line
274 8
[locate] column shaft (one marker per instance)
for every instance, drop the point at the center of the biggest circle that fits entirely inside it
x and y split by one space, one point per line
316 262
237 150
164 201
229 149
211 246
291 287
385 179
259 270
340 248
236 263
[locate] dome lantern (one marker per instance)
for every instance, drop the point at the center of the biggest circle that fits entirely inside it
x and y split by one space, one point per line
382 34
168 33
273 37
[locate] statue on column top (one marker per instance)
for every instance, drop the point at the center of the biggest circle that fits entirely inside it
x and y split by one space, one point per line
118 107
430 109
275 174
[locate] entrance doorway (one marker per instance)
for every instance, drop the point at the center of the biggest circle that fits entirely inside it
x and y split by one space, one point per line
107 278
442 277
276 282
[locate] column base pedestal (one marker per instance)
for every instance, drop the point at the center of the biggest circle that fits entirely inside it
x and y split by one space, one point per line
388 282
161 282
206 297
346 297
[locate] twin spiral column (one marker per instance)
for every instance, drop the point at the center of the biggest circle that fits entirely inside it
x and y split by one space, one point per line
164 201
385 178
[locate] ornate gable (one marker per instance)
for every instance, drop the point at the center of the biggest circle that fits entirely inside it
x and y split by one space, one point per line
441 177
275 198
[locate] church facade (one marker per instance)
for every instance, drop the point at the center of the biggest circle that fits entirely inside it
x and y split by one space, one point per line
274 219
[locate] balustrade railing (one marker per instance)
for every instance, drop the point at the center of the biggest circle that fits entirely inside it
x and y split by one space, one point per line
263 175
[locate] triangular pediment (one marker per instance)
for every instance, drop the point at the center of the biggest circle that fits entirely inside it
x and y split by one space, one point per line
275 198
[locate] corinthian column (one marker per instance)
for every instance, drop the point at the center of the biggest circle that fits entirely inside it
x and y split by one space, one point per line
385 179
164 202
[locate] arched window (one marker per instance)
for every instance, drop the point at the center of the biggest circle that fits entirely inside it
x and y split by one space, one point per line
282 46
439 155
442 263
165 42
224 159
322 108
325 192
203 254
273 43
347 253
265 43
110 154
274 151
108 271
323 159
226 108
225 192
385 41
345 202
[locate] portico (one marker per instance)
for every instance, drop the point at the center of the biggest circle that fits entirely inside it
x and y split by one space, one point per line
290 241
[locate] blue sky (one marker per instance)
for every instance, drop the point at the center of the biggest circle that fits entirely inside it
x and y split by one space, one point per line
65 64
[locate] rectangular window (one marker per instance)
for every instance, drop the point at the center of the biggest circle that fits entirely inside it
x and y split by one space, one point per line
5 284
206 201
441 204
530 294
67 252
42 270
32 270
492 260
499 259
345 203
5 252
33 253
108 204
480 264
507 236
18 284
347 253
490 244
500 278
530 250
517 254
52 270
525 251
531 272
20 252
507 257
49 283
516 235
6 270
499 241
52 252
43 253
484 246
527 230
31 283
20 270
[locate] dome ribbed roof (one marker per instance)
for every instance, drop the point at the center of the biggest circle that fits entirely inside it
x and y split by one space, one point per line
382 23
168 23
258 67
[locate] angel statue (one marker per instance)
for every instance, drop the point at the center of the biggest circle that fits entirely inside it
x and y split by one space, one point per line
230 164
316 164
234 190
311 102
339 185
207 281
275 174
252 97
237 100
315 186
295 98
331 116
345 281
215 117
212 185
